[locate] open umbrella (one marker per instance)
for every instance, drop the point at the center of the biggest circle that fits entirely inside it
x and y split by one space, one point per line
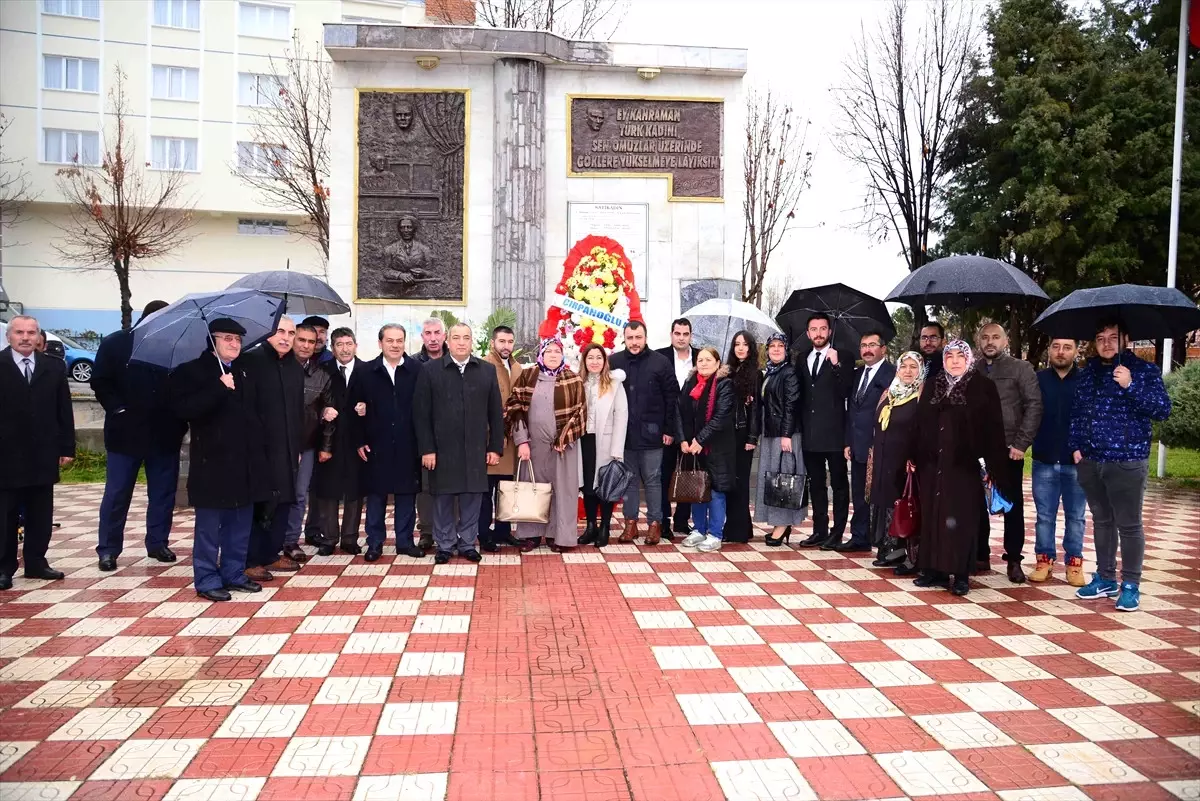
179 332
715 321
1142 312
851 314
303 293
965 282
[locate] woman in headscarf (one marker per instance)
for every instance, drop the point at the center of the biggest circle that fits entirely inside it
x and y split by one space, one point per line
746 376
545 416
779 448
706 433
894 425
958 423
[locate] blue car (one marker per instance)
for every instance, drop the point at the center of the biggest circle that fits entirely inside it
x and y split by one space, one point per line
79 359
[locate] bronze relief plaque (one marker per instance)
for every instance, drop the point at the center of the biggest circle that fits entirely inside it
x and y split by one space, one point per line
680 139
412 156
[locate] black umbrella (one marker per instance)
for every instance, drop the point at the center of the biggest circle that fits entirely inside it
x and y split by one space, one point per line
304 293
851 314
1142 312
964 282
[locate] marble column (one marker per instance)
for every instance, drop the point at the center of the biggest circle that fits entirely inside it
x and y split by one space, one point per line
519 204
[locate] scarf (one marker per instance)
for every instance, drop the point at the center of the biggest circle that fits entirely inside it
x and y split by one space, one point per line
772 367
697 392
950 389
900 393
556 372
570 403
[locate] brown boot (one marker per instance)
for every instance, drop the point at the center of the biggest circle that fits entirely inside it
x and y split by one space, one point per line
654 535
259 574
630 533
284 564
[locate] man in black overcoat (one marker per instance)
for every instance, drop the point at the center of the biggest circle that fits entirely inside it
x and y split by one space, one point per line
139 430
870 382
460 432
216 395
825 381
37 437
339 480
387 442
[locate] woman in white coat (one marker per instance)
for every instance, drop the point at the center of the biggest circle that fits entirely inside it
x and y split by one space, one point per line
607 416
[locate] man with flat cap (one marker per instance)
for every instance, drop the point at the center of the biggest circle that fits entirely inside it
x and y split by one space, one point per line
323 353
216 395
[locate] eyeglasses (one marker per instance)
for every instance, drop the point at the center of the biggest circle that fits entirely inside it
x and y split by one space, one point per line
930 338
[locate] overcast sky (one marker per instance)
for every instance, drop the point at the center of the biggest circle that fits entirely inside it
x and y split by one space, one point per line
797 47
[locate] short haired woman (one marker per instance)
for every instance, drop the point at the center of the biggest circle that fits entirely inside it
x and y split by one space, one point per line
706 432
607 418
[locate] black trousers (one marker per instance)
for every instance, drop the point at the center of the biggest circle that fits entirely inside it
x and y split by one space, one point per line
860 524
347 530
38 505
815 463
597 511
488 529
680 522
1014 519
738 526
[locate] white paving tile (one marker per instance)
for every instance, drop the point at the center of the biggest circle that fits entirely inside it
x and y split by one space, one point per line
927 773
1085 763
708 709
762 780
816 738
963 730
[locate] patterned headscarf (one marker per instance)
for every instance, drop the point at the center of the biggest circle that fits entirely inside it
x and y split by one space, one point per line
900 393
772 367
546 343
951 388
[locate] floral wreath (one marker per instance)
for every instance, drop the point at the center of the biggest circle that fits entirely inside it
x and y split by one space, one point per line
598 273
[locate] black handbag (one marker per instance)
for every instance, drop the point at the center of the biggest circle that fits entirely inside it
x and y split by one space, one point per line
613 480
785 490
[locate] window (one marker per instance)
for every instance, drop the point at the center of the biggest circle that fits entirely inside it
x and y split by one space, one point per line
270 22
177 13
262 227
72 147
172 154
76 74
256 90
257 159
89 9
176 83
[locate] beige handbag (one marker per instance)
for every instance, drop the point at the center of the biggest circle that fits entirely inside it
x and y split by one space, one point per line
524 501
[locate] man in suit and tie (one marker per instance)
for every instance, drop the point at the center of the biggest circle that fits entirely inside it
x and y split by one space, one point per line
870 382
825 382
682 357
37 437
338 481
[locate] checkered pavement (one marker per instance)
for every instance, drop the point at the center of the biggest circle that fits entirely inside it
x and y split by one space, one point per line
634 673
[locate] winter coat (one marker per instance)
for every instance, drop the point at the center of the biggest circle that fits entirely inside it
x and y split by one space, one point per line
138 420
459 418
823 401
780 401
389 427
279 385
37 423
716 434
340 478
890 452
1020 398
228 467
653 396
1111 424
612 419
747 413
505 376
318 396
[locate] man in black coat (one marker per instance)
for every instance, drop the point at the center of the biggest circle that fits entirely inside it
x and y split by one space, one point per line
682 357
37 437
339 480
387 442
316 445
216 395
870 382
139 429
653 395
825 381
931 339
433 348
279 385
460 433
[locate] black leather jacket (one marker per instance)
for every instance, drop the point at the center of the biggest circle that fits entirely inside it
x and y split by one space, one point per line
780 397
318 394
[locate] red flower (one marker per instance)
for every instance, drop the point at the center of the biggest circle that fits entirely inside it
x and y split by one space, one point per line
610 338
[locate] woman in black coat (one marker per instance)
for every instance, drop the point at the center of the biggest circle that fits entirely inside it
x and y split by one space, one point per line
746 377
779 446
891 444
706 432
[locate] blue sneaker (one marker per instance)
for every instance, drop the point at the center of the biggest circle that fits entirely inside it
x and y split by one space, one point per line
1128 600
1098 588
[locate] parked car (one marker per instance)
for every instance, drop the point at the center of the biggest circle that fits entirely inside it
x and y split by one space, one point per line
79 359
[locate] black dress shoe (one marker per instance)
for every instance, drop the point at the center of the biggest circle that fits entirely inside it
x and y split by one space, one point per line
214 595
489 547
412 550
49 574
507 539
960 586
931 580
163 554
1015 574
815 541
471 555
325 550
108 563
426 542
5 582
441 557
530 544
373 553
904 570
244 586
852 547
350 546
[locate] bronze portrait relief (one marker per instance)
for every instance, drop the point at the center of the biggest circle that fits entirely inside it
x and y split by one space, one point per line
412 151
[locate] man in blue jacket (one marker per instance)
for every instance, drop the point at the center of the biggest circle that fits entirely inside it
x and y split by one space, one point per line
1117 397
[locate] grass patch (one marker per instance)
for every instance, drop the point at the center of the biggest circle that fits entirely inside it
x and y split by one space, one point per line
89 468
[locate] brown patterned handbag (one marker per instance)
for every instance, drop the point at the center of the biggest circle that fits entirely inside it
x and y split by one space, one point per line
690 486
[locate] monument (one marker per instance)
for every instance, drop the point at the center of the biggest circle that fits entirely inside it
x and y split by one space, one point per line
479 164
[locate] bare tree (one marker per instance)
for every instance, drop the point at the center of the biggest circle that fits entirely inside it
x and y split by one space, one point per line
778 168
776 292
573 19
16 189
119 213
287 157
901 99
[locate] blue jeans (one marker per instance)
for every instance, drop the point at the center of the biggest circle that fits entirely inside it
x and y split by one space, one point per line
405 507
1051 482
709 518
219 549
295 510
120 476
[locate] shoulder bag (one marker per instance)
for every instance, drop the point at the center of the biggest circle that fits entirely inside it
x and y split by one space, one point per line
524 501
690 486
785 490
906 512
